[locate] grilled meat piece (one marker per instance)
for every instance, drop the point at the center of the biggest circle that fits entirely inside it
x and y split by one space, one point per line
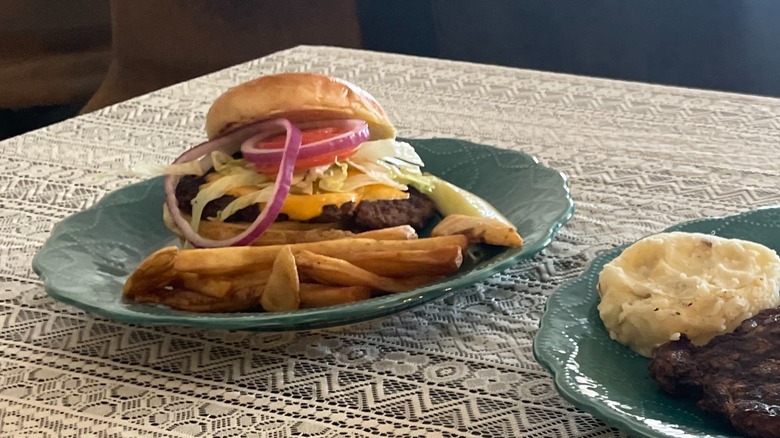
736 375
416 211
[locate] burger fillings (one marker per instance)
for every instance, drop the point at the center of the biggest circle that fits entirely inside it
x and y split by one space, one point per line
301 148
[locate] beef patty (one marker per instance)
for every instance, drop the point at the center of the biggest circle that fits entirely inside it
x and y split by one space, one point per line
416 211
736 375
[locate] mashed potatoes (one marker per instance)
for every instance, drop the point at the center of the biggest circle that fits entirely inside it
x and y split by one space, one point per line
696 284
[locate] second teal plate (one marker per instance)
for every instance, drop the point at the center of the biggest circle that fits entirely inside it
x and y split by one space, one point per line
607 379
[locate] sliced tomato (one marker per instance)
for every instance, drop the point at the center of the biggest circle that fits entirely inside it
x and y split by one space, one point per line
308 136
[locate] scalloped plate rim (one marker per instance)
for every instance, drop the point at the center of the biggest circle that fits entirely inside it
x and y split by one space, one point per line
318 317
611 417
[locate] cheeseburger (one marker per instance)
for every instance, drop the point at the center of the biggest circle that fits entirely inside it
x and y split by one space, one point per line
301 151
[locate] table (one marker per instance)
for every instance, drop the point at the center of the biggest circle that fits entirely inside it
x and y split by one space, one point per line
640 158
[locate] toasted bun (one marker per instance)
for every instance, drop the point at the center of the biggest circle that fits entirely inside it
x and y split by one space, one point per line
298 97
279 233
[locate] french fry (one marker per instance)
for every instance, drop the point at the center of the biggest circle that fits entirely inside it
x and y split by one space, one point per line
320 295
337 272
223 261
478 229
253 283
437 261
155 272
283 290
191 301
237 279
222 286
211 286
401 232
286 237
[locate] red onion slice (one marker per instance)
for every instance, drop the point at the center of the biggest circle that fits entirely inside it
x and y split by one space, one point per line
356 133
281 186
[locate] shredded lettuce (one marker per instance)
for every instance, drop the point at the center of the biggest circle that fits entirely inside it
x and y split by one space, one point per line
259 197
218 188
302 188
389 162
262 196
357 181
411 175
374 151
379 173
149 170
220 161
303 181
332 179
227 165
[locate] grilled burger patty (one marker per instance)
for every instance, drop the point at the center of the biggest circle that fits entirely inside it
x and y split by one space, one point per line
416 211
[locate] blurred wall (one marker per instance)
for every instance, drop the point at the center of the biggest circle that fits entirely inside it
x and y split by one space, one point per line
161 42
718 44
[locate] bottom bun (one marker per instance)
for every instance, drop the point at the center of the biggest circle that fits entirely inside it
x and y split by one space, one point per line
279 233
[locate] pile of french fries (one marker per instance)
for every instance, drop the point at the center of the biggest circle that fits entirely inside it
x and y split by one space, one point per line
317 273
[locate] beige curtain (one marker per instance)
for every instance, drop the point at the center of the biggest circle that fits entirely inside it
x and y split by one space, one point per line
52 52
160 42
61 52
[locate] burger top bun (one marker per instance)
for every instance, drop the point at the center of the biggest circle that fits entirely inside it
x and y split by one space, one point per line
297 97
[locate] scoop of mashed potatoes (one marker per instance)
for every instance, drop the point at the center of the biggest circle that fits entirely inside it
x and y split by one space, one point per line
697 284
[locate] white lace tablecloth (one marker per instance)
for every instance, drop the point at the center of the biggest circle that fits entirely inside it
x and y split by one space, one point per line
639 157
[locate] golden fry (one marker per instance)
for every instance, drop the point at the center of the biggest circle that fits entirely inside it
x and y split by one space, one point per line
211 286
292 236
279 233
320 295
238 279
223 261
222 286
252 283
401 232
437 261
478 229
337 272
156 272
282 293
286 237
192 301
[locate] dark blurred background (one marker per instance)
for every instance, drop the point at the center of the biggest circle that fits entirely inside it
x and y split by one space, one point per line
61 58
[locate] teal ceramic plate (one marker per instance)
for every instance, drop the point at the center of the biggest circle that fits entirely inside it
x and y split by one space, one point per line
89 255
606 379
